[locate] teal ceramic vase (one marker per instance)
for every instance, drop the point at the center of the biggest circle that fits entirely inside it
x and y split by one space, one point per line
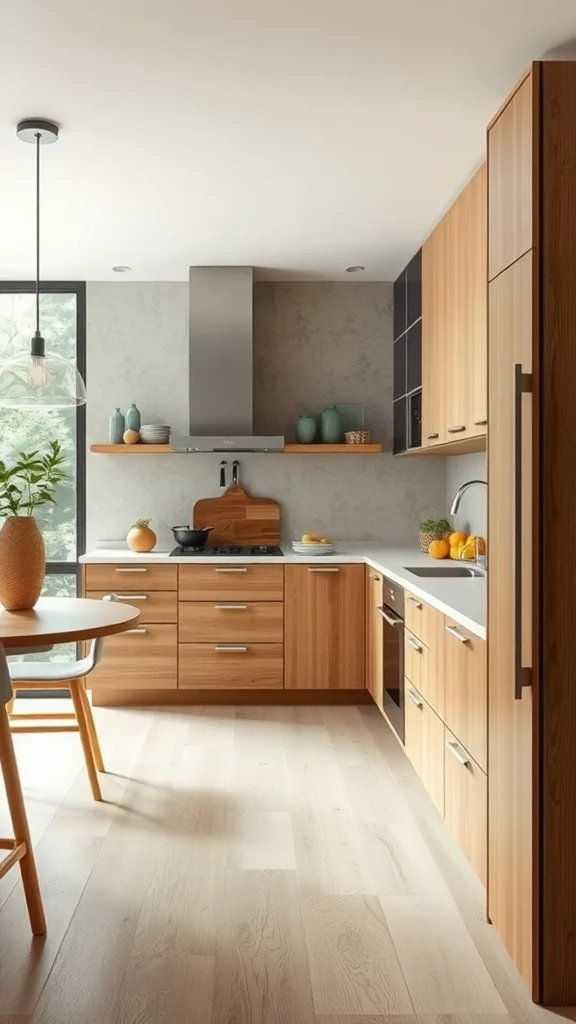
133 418
331 425
306 428
116 427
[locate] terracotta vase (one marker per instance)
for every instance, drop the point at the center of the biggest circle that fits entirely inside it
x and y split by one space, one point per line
22 563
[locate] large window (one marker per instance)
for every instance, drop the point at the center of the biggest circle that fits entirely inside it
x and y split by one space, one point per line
63 325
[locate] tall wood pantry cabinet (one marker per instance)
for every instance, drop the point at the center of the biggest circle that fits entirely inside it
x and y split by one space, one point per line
531 515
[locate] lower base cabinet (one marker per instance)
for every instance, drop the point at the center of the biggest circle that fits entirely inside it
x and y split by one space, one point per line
231 666
466 804
424 743
143 658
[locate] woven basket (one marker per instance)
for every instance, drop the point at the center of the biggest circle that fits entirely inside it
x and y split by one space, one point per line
427 536
358 437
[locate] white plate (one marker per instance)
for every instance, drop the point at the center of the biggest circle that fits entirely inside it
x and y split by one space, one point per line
313 549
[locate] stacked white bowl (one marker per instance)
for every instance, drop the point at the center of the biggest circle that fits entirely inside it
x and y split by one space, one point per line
154 433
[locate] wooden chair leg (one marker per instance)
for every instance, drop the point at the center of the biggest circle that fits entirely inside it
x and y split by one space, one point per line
20 826
85 738
95 742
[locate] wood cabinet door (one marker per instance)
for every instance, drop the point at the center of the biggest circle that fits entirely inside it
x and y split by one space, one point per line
435 302
143 658
466 689
510 721
324 638
465 804
374 637
511 151
424 743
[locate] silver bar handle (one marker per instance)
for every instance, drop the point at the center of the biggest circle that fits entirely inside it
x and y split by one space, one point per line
457 634
457 429
414 644
118 569
414 602
522 386
480 423
374 577
430 437
459 753
231 607
131 597
138 629
244 568
230 649
334 569
390 619
415 698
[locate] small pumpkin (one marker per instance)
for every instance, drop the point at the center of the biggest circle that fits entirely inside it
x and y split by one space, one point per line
140 537
131 436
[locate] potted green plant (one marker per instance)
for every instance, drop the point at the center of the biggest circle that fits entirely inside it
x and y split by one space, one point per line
433 529
26 485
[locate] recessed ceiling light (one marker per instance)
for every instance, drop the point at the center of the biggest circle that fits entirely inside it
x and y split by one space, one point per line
121 270
354 269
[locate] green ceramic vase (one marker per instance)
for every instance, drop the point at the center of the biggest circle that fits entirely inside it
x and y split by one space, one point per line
331 425
306 428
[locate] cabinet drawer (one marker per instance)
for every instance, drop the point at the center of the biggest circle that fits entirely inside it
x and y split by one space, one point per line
423 621
424 743
466 804
232 582
143 658
466 698
135 579
225 666
413 659
157 606
230 622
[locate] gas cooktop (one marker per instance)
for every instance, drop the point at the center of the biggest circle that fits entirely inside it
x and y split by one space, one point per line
227 552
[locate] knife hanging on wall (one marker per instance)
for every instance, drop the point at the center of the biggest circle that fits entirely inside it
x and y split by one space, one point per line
223 465
235 465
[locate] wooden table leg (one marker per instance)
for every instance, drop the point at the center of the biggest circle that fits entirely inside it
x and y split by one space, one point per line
20 824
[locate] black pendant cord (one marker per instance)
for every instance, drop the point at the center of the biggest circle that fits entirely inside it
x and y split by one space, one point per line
37 233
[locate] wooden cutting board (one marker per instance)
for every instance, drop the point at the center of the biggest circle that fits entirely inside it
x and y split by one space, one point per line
238 519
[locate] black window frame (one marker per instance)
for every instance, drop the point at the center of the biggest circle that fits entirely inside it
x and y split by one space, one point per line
77 288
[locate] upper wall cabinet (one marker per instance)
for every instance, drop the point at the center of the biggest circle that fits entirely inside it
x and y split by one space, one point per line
408 356
454 343
510 184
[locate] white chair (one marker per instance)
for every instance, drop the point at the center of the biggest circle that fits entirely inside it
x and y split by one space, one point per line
46 675
19 849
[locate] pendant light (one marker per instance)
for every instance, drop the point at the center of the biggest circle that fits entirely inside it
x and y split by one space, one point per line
39 379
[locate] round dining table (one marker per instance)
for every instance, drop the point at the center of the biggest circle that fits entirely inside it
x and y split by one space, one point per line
53 620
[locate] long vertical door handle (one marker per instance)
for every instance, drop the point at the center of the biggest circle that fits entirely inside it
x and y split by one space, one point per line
522 386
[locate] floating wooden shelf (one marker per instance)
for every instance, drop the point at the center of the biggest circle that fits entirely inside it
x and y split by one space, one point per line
290 449
465 446
332 449
132 449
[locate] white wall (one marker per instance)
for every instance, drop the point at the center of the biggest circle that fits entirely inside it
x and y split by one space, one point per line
313 343
473 507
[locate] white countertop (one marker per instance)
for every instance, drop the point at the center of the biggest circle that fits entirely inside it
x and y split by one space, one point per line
463 599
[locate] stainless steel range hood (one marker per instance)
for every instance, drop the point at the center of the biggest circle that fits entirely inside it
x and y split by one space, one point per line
221 370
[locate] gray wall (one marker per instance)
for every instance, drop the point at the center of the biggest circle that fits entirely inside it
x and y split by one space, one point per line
312 343
472 513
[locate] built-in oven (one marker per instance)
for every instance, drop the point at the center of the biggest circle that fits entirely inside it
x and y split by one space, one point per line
392 612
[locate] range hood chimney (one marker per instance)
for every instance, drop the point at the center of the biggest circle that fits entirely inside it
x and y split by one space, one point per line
221 368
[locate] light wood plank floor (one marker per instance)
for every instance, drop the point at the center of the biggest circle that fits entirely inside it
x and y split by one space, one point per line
249 866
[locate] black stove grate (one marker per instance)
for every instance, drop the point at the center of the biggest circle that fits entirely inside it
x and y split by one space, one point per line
228 551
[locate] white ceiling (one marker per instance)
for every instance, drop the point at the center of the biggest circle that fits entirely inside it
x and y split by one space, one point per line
297 137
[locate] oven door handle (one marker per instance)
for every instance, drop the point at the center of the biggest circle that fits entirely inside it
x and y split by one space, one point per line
389 618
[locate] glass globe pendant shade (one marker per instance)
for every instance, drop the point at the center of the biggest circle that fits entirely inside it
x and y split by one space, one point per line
29 381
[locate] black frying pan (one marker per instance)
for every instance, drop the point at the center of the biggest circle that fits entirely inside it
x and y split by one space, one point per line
188 538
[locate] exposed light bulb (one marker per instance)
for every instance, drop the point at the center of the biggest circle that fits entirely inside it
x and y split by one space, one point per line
37 371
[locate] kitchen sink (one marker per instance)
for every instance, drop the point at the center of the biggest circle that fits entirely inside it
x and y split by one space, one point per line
448 571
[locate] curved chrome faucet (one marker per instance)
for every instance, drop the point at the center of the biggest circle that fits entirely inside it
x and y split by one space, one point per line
460 492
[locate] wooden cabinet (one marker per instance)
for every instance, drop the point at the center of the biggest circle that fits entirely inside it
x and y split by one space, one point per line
143 658
324 626
425 624
230 622
466 803
466 698
511 158
374 637
424 743
207 582
154 606
130 578
413 657
231 666
454 343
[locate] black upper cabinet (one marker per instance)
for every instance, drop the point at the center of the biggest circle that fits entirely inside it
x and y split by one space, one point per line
400 305
408 355
414 289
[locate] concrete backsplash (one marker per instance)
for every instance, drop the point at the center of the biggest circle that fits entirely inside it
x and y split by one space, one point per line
472 514
313 343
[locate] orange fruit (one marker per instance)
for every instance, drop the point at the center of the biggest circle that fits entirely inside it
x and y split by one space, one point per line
456 538
439 549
